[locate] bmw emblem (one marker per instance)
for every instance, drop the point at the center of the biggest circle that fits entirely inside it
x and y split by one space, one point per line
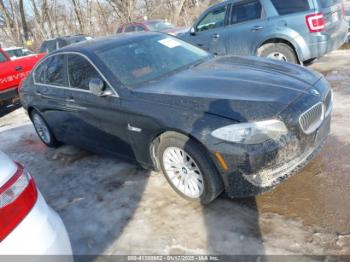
315 92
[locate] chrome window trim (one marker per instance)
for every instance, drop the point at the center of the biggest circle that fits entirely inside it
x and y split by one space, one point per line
69 87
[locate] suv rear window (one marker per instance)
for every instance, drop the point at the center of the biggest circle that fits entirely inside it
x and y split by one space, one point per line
284 7
328 3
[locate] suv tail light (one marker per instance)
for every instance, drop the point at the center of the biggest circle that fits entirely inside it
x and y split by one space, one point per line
17 198
315 22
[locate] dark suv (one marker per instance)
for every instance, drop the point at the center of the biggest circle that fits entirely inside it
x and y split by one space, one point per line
295 31
51 45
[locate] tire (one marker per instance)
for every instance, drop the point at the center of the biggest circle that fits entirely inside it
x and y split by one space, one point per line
198 168
43 130
278 51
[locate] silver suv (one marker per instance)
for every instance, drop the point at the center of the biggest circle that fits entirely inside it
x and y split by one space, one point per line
296 31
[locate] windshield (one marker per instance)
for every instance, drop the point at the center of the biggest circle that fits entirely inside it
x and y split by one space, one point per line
150 58
159 26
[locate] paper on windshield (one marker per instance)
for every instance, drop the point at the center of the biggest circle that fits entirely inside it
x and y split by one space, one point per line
169 42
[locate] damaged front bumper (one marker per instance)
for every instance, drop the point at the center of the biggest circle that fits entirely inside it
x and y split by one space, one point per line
254 170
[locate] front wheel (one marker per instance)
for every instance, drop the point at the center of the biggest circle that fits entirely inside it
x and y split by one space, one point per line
278 51
188 170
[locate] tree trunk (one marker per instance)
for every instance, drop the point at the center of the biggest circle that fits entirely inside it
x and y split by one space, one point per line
24 21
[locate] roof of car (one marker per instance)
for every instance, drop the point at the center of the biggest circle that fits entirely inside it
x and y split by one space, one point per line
66 37
153 21
103 42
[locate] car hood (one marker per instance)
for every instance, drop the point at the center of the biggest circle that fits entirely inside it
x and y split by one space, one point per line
239 88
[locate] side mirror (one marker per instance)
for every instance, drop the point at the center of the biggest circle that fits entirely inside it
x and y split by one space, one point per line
96 86
192 31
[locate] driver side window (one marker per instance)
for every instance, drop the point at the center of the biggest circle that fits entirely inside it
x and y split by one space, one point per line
80 72
214 19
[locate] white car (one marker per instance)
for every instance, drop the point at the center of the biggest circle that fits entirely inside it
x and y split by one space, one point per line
28 226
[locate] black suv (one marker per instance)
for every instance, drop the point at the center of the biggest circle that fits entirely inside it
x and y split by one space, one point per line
51 45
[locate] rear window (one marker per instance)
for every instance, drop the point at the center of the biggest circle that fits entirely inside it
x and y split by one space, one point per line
48 46
284 7
328 3
347 10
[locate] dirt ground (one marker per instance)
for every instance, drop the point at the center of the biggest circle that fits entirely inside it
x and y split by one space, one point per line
112 207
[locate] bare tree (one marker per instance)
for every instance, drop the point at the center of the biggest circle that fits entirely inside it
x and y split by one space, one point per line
24 21
52 18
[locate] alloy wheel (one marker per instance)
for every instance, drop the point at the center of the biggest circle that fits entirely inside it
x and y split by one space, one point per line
41 128
183 172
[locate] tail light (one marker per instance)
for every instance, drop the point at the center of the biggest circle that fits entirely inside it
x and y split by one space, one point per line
17 198
315 22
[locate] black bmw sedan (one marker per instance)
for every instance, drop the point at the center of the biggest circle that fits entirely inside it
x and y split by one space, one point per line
210 124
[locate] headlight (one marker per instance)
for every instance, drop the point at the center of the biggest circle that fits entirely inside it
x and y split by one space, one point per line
252 133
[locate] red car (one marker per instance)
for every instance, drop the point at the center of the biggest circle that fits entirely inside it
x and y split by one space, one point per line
11 74
152 25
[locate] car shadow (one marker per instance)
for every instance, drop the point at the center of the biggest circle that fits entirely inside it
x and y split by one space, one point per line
96 196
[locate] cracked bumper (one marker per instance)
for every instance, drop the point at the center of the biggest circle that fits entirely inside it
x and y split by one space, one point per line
267 166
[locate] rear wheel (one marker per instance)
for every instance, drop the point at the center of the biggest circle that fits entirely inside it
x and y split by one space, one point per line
188 170
43 130
278 51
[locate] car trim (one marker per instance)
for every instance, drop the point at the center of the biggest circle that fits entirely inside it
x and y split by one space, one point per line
72 88
315 125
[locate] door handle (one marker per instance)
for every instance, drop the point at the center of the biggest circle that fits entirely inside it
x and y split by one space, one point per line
257 28
38 93
216 36
200 45
69 99
18 68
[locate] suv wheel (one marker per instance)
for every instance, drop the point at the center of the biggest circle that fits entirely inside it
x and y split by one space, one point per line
278 51
188 170
43 130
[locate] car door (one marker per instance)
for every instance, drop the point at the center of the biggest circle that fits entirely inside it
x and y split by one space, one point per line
50 80
7 72
247 26
96 122
207 32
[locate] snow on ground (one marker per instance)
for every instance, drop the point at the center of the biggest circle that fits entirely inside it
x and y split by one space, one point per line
113 207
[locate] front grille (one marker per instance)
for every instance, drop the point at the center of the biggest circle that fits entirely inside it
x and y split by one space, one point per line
312 118
328 103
